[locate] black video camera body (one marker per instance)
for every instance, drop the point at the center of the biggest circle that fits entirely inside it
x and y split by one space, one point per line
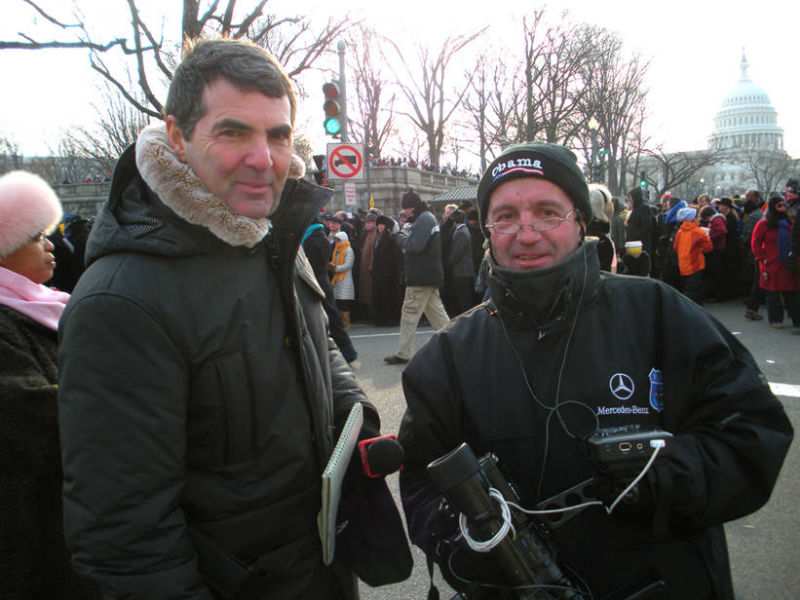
524 554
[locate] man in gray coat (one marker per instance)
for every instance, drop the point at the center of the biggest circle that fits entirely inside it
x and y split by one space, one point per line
422 255
459 262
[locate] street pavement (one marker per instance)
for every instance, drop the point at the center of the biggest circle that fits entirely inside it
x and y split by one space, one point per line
764 547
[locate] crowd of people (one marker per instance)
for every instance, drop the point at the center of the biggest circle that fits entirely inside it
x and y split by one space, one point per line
170 426
705 249
423 166
720 249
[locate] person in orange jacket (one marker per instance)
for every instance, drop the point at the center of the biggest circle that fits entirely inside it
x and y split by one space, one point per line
692 244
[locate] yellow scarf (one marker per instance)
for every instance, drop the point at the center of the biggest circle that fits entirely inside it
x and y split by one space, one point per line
338 258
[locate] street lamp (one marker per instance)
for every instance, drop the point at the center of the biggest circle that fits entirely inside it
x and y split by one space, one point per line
593 126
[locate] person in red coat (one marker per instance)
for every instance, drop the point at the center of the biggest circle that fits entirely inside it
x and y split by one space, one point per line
771 243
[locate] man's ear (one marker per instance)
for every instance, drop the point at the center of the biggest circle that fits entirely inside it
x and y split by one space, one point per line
175 137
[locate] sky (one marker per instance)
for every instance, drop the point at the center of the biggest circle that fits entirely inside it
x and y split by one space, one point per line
695 48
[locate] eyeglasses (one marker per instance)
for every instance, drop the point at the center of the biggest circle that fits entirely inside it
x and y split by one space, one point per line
39 237
540 225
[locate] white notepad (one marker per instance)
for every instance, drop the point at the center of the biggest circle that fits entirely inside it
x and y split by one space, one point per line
332 478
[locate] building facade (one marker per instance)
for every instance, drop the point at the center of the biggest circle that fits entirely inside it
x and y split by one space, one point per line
748 145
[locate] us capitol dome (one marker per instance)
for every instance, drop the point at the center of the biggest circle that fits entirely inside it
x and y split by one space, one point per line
746 119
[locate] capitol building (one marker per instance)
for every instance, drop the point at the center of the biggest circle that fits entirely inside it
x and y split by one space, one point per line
746 119
747 144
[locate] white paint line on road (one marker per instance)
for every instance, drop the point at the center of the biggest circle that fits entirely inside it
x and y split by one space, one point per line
388 334
779 389
785 389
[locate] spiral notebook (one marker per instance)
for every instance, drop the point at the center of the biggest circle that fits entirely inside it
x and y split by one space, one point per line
332 478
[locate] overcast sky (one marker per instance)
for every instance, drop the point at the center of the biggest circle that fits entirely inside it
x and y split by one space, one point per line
695 48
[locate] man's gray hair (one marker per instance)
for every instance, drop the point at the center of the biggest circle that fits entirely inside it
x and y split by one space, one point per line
241 63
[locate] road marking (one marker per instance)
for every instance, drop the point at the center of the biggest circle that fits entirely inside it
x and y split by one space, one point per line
388 334
785 389
779 389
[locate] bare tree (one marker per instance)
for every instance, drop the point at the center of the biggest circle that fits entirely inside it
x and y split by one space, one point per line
118 126
152 56
431 103
487 106
551 79
10 156
371 118
616 97
74 166
768 168
677 168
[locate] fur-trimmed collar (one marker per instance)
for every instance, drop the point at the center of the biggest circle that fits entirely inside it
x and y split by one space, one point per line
181 190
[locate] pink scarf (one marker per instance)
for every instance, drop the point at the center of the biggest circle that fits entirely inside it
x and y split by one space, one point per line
36 301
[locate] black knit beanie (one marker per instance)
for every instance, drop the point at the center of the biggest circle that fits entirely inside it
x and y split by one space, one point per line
536 159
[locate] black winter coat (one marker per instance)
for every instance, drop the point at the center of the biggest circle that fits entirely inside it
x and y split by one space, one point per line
198 388
493 377
422 251
34 562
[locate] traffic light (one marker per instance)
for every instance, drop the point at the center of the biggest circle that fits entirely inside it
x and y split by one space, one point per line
334 112
643 179
321 175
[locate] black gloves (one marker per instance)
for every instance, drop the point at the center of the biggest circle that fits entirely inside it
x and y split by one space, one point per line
637 503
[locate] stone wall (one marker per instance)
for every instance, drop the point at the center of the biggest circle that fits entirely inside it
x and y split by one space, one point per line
387 185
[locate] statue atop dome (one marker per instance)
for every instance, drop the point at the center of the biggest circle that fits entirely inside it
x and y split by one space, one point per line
745 65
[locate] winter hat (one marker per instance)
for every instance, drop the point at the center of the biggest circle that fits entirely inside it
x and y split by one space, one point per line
726 202
297 167
28 206
793 185
599 198
341 236
411 199
687 214
536 159
386 221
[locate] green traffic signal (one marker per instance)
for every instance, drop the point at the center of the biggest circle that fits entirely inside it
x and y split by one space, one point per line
332 126
333 108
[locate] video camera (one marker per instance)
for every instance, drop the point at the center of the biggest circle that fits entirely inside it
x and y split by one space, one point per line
528 561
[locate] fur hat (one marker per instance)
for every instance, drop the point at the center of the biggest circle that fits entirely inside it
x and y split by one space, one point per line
28 206
411 199
600 199
536 159
297 167
386 222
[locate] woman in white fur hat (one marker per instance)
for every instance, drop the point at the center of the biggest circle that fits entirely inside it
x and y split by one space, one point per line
34 561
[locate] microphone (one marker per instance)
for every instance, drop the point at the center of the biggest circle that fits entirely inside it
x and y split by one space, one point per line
381 456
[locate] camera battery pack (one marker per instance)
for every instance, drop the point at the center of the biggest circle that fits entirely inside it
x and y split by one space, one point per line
623 447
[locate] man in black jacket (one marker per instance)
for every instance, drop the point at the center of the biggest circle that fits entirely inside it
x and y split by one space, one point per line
200 393
563 352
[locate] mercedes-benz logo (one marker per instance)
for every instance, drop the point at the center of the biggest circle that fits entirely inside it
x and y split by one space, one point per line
621 386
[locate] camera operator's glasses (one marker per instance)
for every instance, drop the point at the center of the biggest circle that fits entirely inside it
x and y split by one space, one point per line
540 225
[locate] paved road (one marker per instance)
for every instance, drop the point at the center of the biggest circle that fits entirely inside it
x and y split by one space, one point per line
764 547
